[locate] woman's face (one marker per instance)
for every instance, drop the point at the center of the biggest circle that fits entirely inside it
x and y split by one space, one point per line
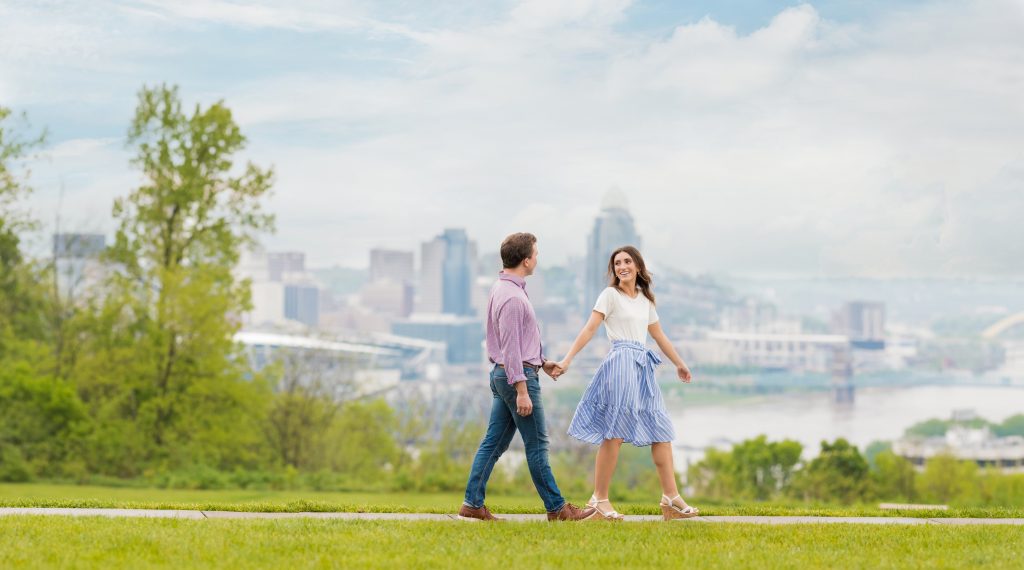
625 269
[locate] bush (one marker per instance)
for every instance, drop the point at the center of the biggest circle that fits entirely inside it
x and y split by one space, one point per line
13 467
838 474
948 479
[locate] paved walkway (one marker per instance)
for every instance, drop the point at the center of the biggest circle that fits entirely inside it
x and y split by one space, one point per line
202 515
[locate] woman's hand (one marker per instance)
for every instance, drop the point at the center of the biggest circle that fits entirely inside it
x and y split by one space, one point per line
552 370
563 366
684 372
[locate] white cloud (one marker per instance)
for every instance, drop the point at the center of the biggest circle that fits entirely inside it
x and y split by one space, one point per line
804 146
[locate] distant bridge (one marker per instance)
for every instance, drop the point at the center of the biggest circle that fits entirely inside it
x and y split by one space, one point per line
1003 325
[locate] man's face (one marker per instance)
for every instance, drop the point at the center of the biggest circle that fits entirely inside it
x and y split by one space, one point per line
531 262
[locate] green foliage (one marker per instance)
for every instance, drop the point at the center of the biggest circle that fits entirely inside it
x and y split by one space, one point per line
14 148
1013 425
180 396
837 474
754 469
947 479
893 477
873 449
42 423
443 464
21 314
362 446
928 428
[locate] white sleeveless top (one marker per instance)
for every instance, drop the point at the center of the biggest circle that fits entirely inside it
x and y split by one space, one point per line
625 318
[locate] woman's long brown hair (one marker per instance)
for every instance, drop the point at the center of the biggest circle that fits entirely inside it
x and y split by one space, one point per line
643 278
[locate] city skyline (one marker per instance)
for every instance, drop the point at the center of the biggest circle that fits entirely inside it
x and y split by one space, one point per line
767 138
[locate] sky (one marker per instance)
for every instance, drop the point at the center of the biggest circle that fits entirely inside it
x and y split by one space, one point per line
871 138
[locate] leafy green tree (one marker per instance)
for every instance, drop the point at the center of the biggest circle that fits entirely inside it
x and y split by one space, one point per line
838 474
947 479
360 444
42 425
308 394
928 428
873 449
893 477
766 467
754 468
41 420
1001 489
20 304
443 463
1013 425
165 377
716 475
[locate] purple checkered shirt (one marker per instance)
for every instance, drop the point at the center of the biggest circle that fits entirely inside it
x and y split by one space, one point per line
513 336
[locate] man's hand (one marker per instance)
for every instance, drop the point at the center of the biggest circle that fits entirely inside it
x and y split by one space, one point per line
524 405
552 369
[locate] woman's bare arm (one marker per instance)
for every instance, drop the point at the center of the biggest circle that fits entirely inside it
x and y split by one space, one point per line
682 370
586 333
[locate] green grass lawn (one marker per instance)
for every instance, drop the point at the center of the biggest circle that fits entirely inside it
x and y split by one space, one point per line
93 542
47 495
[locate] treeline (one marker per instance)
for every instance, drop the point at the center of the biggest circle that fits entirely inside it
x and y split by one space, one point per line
762 470
1013 425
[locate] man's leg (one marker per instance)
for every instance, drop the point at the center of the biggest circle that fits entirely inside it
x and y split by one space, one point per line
533 430
500 430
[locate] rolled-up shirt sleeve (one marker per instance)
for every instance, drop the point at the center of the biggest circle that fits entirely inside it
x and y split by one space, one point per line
510 324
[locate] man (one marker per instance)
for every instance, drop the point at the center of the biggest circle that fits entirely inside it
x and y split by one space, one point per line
513 346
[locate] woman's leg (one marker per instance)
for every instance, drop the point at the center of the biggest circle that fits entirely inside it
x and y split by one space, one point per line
604 466
661 452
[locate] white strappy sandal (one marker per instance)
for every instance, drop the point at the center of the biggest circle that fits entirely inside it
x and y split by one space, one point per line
671 512
611 515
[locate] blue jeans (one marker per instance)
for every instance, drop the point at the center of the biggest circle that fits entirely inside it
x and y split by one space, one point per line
502 426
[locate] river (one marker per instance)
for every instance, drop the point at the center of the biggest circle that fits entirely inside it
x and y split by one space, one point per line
877 414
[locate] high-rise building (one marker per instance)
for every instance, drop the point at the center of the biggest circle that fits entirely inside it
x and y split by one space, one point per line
302 303
282 263
431 286
282 289
613 228
391 265
864 323
446 274
458 273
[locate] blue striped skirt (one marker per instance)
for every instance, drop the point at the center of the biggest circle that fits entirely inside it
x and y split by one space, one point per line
623 400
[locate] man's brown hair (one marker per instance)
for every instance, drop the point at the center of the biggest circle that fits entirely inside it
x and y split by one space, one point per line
515 248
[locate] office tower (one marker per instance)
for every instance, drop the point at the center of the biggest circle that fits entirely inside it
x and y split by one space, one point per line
282 263
391 265
613 228
448 267
302 303
864 323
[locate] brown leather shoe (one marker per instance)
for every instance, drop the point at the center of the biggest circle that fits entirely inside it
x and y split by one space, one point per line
570 512
481 514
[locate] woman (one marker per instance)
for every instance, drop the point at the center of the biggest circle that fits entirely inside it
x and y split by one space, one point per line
623 401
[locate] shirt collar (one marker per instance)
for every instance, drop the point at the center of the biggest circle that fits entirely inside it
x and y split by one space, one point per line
519 281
